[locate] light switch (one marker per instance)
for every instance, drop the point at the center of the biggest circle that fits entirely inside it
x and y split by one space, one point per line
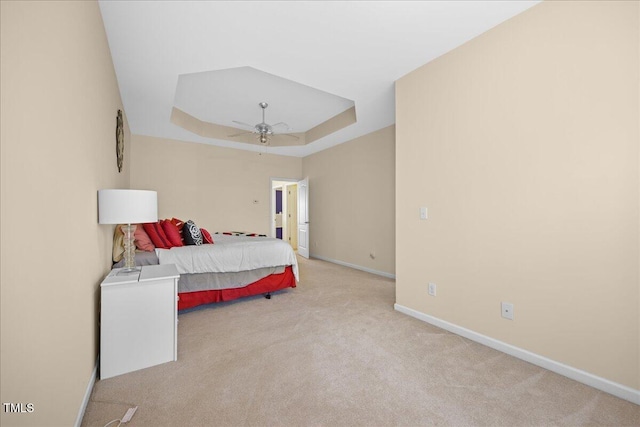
423 213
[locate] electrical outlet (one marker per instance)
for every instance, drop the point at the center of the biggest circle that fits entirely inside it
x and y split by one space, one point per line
432 289
423 213
507 310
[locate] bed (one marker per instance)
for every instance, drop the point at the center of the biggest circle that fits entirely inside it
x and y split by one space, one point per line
234 266
237 265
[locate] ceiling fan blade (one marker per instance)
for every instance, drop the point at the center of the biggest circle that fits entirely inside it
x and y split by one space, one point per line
238 134
281 124
243 124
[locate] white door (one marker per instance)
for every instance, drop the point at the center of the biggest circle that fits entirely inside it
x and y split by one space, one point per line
292 215
303 217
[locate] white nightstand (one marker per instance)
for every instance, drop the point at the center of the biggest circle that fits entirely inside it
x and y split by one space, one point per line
138 319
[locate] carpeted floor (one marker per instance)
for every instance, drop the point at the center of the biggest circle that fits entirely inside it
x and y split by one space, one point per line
333 352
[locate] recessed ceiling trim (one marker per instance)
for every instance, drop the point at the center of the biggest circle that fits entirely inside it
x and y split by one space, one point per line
334 124
212 130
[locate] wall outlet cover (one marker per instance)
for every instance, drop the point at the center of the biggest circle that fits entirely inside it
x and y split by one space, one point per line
507 310
423 213
432 289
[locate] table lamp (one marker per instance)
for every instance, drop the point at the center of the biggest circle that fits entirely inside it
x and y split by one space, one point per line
128 207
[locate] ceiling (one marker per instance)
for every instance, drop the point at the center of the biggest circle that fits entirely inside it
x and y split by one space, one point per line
307 59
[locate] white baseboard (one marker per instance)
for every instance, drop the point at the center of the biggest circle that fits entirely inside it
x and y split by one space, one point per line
357 267
618 390
87 395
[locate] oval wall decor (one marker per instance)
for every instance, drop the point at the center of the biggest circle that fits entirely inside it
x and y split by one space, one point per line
119 140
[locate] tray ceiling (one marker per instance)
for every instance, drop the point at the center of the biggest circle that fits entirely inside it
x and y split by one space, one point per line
351 50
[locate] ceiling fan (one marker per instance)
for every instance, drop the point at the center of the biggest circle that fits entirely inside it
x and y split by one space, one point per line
263 130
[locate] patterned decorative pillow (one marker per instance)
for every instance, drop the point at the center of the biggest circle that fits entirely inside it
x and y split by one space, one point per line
191 234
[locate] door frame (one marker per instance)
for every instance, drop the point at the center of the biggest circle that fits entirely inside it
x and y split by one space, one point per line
303 221
273 183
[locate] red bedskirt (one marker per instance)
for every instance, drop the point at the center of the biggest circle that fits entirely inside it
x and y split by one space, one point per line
268 284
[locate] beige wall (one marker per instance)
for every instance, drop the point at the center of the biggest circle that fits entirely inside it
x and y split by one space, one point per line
351 201
213 186
59 99
523 144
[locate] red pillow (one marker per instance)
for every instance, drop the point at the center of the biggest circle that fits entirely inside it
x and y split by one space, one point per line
179 224
162 235
152 230
206 236
142 239
172 232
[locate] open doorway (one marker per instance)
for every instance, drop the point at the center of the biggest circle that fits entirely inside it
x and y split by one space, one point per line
284 210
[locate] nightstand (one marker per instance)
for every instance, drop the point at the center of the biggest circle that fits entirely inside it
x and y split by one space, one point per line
138 319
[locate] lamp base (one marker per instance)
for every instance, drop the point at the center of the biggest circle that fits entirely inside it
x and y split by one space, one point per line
129 247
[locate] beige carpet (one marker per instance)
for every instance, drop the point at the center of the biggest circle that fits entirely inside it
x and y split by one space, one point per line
333 352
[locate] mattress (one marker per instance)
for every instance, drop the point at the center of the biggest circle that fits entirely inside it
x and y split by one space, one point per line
230 254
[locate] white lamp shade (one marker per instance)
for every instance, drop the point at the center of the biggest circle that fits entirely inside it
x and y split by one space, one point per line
127 206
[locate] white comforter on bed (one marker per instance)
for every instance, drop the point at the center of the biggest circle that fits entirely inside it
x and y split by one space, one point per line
230 254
